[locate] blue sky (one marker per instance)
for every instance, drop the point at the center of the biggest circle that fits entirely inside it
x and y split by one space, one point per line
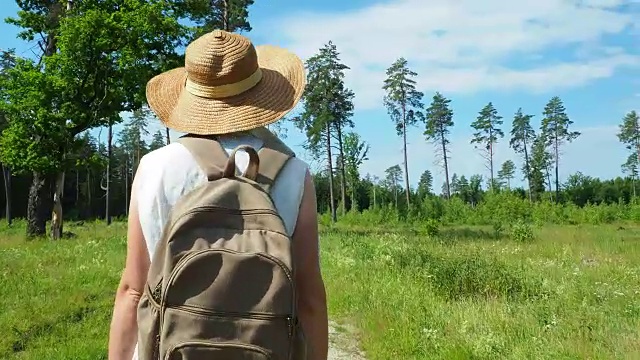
473 51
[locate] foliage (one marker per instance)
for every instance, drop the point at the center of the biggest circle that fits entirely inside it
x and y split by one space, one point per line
439 119
404 105
487 127
522 231
507 172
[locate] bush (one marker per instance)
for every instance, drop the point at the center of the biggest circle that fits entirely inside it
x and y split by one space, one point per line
522 232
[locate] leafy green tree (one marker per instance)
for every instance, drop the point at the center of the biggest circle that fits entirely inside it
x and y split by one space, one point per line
507 172
541 161
157 141
439 118
328 105
487 126
393 178
555 132
355 153
7 62
522 136
630 168
208 15
425 184
97 57
475 189
629 135
404 105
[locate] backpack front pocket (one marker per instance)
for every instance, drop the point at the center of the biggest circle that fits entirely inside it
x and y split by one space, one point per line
200 350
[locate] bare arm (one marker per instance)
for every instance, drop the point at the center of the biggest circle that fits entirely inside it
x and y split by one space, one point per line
312 300
123 333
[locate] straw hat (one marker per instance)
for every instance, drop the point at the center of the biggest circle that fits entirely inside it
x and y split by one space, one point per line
227 85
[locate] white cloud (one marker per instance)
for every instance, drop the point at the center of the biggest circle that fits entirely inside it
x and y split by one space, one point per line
466 46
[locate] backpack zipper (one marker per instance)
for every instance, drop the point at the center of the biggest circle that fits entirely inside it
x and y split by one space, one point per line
210 208
246 315
182 263
218 345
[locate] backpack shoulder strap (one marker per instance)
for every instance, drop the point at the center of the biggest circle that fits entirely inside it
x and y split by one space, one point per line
274 155
207 152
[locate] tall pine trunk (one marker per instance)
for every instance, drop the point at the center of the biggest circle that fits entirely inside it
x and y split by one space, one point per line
446 165
7 190
528 169
168 136
491 160
404 149
225 15
557 165
334 217
343 183
108 186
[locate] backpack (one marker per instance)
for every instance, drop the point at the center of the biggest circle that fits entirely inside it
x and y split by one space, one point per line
221 281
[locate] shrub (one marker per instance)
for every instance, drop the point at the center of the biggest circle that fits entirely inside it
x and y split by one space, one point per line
522 232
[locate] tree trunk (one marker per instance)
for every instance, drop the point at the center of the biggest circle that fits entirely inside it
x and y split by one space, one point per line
168 136
77 188
491 161
56 214
108 186
343 183
38 196
446 166
334 217
126 186
225 15
528 170
89 195
404 149
374 197
7 190
557 165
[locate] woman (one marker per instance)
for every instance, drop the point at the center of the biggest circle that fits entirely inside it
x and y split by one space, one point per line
232 90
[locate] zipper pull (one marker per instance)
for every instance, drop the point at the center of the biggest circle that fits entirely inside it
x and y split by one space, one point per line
290 325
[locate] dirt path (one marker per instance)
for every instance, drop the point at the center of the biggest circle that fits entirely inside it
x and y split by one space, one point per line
342 344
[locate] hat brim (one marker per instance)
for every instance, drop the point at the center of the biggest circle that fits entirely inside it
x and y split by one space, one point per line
279 91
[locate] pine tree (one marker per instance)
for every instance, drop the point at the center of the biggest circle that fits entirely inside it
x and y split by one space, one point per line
404 105
629 135
425 184
439 118
507 172
328 106
487 126
522 136
555 132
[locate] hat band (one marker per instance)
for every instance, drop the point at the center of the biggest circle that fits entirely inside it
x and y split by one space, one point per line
226 90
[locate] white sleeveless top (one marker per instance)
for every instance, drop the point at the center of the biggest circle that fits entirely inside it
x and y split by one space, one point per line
165 174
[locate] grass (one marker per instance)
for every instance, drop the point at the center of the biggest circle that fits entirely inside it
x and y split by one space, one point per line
573 292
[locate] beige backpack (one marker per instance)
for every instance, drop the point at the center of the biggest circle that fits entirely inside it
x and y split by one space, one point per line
221 282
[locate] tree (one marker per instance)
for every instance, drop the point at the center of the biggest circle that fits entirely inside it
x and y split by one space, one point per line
404 104
487 126
630 168
208 15
394 176
157 141
355 153
96 59
7 62
522 136
555 132
507 172
541 160
425 184
629 135
439 118
328 106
